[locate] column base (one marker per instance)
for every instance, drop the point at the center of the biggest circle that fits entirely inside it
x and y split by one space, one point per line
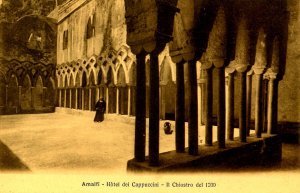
263 152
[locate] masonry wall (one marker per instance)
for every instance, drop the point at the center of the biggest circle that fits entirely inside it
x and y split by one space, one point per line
289 87
110 31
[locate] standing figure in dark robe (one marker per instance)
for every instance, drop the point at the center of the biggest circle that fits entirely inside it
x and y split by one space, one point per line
100 108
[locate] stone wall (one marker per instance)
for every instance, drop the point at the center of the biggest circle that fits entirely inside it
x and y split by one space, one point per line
110 29
289 87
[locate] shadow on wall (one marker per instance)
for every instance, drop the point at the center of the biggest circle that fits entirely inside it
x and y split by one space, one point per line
9 161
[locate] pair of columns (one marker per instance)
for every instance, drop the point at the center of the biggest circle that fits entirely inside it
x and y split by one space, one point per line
245 104
140 124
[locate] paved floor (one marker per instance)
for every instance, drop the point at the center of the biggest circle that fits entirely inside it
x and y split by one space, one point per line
66 142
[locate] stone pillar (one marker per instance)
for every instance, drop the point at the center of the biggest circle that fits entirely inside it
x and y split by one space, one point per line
90 99
209 107
117 101
59 98
129 101
154 111
221 106
258 106
193 109
180 108
199 103
258 69
272 103
97 93
32 97
71 97
248 99
107 99
76 98
242 107
20 98
230 106
65 98
82 98
140 106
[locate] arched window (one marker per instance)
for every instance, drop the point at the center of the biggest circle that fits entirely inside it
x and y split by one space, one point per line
90 29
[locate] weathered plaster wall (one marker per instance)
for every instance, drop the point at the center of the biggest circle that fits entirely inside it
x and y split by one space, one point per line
110 30
289 87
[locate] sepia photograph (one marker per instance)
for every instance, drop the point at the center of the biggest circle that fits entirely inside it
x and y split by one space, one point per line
149 96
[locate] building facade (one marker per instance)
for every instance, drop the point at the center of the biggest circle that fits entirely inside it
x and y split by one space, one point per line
27 65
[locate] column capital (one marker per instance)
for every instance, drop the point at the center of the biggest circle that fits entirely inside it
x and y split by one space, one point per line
270 74
205 62
258 69
239 67
250 72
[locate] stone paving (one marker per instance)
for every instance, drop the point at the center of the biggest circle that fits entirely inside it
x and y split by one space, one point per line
72 142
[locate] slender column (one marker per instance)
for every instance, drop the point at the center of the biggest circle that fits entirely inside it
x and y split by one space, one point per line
97 93
265 105
59 98
272 105
242 114
248 99
129 101
180 108
199 103
82 98
65 98
76 98
230 107
20 98
90 99
193 109
221 107
209 107
258 106
154 111
70 98
107 100
117 101
140 107
32 97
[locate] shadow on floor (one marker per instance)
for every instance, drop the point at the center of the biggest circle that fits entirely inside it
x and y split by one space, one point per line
9 161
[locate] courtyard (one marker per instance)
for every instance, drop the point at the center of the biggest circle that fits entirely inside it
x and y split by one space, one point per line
70 141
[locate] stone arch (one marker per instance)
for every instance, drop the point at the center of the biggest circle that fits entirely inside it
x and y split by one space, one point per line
121 80
111 90
50 93
66 84
167 90
165 72
26 99
110 80
77 80
92 80
123 92
84 79
132 74
12 94
100 77
38 93
79 90
71 82
85 91
59 81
